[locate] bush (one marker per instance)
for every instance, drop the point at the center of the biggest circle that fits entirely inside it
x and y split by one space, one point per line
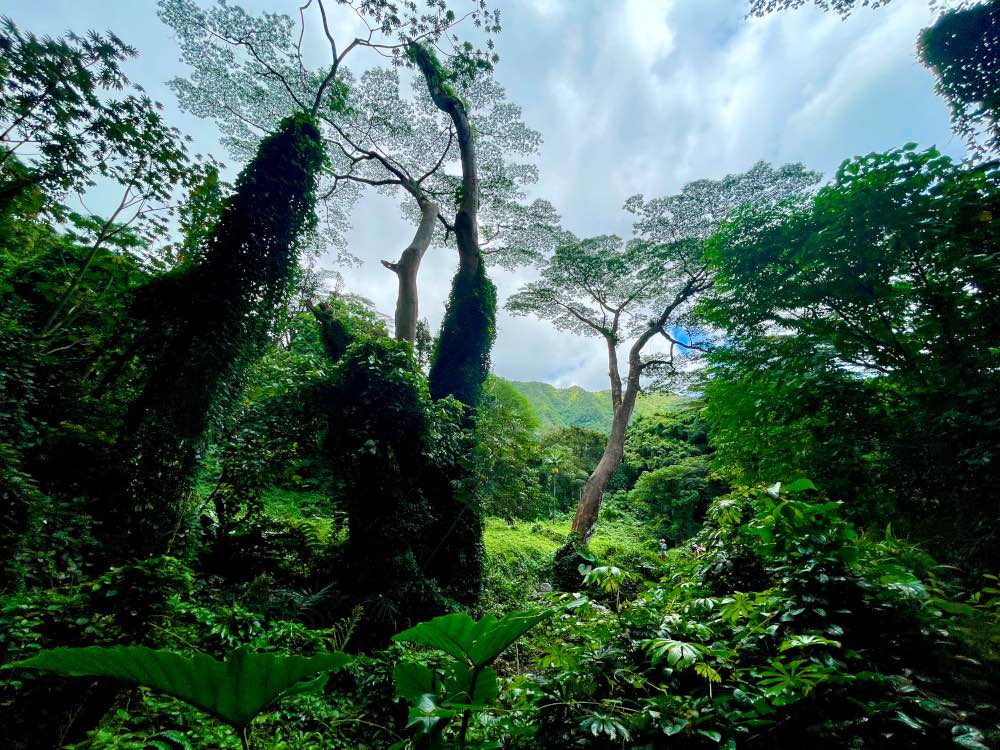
814 634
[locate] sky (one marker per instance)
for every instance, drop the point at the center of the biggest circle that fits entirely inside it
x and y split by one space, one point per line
630 96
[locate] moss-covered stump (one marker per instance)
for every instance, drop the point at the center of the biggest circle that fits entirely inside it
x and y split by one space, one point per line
566 574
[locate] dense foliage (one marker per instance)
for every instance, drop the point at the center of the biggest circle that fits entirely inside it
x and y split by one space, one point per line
962 48
238 510
460 362
196 330
863 326
782 624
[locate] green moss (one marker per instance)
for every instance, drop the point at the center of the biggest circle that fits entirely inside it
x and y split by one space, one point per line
461 360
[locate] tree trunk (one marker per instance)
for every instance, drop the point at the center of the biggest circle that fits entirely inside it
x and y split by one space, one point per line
466 219
407 309
585 520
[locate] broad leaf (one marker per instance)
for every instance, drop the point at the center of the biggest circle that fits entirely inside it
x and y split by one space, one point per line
479 643
412 680
486 690
799 485
680 654
234 691
493 637
452 634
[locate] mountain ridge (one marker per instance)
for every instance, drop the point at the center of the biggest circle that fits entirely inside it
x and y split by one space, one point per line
574 406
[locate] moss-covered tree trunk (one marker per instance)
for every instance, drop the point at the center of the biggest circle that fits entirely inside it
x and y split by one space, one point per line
201 327
461 360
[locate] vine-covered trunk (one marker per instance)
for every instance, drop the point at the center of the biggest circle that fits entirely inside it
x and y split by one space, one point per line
461 359
200 327
585 519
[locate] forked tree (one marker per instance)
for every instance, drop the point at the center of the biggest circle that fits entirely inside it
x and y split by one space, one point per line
642 291
250 70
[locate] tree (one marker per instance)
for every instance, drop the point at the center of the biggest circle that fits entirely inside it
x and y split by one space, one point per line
660 440
674 497
962 49
198 329
248 70
877 297
460 362
569 456
506 450
398 453
51 100
54 100
644 290
277 434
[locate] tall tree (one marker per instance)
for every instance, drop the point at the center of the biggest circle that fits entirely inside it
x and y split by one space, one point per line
460 363
248 70
863 326
200 327
643 291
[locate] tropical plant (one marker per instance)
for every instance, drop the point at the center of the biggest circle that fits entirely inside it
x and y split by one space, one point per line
506 450
234 691
466 684
861 329
643 291
779 622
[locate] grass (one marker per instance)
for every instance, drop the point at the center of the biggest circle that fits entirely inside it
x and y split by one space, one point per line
519 555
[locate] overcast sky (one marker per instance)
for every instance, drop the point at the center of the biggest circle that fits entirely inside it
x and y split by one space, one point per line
631 96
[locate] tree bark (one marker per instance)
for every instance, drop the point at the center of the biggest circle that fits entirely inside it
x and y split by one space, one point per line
585 520
466 219
407 308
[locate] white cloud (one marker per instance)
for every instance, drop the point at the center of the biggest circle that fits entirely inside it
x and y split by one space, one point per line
645 24
641 96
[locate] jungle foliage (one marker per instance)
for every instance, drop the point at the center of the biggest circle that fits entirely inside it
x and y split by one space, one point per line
239 510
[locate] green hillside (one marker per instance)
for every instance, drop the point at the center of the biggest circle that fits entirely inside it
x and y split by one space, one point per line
577 407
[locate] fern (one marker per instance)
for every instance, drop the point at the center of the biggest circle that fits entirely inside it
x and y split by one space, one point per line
344 629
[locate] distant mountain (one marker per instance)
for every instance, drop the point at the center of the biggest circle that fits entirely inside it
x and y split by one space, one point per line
576 407
567 407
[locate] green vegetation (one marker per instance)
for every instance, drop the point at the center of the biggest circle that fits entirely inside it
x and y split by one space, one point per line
234 692
557 408
237 511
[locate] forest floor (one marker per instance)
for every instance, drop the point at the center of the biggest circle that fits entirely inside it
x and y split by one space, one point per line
519 554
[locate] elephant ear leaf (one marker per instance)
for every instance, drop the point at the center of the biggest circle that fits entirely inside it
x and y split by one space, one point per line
234 691
493 636
454 634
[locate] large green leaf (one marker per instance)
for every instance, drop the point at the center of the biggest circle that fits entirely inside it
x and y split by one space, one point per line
413 681
234 691
479 643
493 636
453 634
459 687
